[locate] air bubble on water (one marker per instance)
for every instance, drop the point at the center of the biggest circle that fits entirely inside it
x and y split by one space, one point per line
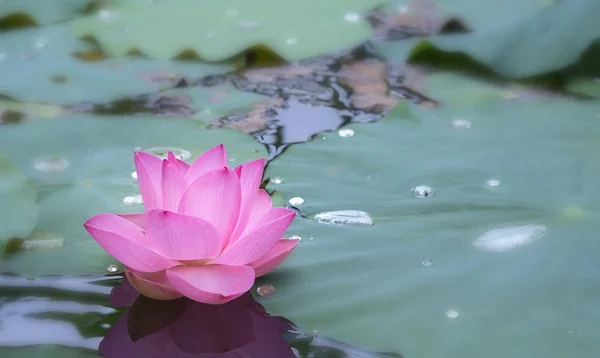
460 124
346 133
39 241
133 200
427 262
112 268
345 217
51 164
231 160
509 238
105 325
265 290
296 201
351 17
134 175
248 24
163 152
291 41
452 313
311 238
40 42
493 182
422 191
276 180
105 14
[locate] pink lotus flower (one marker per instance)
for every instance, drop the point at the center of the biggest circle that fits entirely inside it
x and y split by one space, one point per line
207 231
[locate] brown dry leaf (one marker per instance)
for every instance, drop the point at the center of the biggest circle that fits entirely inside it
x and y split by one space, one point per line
368 81
94 55
270 74
418 18
255 120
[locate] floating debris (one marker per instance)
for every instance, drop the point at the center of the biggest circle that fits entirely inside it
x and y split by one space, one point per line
296 201
112 268
276 180
346 133
345 217
452 313
492 183
509 238
427 262
460 124
422 191
51 164
133 200
42 241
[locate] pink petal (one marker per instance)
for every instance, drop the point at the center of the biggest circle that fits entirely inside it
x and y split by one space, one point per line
212 159
215 197
125 241
183 166
182 237
250 175
153 284
149 169
275 257
137 218
258 242
261 206
173 183
212 284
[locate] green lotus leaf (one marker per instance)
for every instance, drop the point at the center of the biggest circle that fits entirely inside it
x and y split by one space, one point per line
217 30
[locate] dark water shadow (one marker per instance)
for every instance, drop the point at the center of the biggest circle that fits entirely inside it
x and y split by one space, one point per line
183 328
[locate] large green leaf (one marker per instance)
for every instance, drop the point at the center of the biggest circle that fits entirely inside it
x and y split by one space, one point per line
44 57
548 41
217 30
399 284
18 203
83 166
41 12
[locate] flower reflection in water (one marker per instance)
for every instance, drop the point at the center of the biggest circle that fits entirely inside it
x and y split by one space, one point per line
185 328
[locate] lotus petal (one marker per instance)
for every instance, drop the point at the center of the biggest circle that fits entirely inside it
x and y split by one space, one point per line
126 242
212 159
212 284
173 183
258 242
149 172
274 257
182 237
215 197
153 284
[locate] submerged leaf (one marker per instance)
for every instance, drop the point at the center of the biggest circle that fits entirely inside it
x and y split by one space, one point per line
548 41
18 203
217 30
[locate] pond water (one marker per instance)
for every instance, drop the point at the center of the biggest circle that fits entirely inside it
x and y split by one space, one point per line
441 213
